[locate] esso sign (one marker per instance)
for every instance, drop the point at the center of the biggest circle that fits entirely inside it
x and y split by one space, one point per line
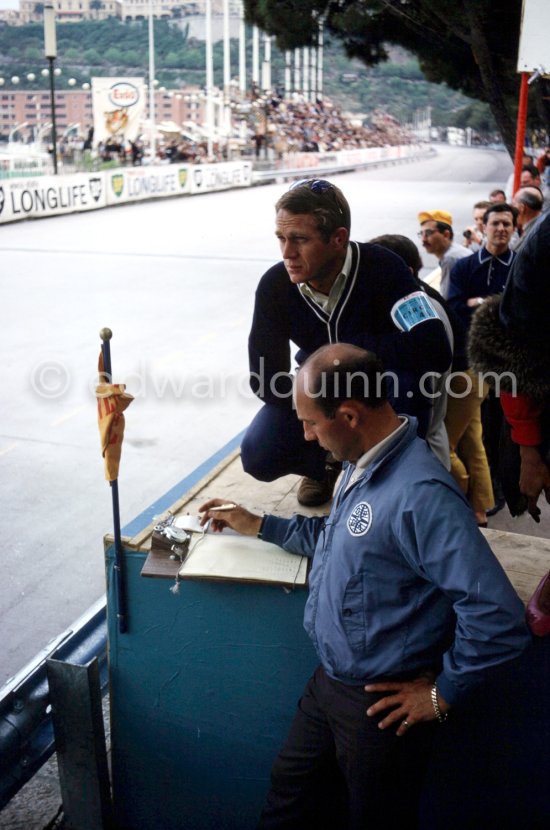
123 94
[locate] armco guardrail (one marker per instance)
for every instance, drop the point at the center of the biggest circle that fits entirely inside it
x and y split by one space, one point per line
300 165
35 197
26 732
41 196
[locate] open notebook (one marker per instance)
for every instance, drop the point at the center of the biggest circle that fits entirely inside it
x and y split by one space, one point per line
228 555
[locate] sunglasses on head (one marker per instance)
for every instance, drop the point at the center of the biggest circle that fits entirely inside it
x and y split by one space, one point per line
315 185
318 186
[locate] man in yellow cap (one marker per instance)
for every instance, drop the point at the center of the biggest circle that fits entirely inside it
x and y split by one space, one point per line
436 233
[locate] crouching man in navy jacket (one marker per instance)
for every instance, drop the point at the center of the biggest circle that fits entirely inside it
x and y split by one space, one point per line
408 609
326 290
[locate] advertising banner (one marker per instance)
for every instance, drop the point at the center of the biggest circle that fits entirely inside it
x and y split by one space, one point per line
208 177
132 184
50 195
118 108
345 158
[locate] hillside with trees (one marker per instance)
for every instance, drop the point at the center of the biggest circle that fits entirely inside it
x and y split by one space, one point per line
112 47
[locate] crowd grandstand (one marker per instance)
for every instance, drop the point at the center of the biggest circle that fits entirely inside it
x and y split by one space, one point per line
320 127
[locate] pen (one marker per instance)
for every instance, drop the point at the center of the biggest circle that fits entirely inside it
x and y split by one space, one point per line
224 507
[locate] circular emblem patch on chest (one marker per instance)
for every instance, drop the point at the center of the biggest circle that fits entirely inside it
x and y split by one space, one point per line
360 519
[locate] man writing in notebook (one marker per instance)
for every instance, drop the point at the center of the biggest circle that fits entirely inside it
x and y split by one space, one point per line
408 609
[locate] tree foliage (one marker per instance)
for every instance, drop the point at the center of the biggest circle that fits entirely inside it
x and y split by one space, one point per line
471 45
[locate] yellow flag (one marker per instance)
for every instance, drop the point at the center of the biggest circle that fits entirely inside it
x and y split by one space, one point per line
112 400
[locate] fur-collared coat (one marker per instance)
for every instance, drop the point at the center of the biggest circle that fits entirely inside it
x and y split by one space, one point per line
509 342
498 351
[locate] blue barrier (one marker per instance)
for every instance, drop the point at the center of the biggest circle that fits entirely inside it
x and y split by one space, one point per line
26 731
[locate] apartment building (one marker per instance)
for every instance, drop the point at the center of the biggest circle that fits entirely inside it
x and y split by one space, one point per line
73 11
70 11
29 111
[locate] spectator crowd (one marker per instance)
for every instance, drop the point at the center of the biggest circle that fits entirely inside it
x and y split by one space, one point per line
320 127
274 126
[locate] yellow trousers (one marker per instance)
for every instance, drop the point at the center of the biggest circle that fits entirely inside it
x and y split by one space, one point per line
469 465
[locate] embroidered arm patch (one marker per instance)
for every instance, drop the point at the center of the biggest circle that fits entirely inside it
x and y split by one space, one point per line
413 309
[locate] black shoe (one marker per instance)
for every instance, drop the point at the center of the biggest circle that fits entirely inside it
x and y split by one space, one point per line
499 504
313 493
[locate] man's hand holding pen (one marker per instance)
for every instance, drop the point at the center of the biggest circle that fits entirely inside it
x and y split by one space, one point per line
221 514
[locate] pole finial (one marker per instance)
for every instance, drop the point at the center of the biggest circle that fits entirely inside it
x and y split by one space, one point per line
106 334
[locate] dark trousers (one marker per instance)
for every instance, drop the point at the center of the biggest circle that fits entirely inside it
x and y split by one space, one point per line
339 771
274 443
274 446
492 421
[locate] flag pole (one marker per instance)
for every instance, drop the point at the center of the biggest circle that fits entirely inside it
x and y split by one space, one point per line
105 335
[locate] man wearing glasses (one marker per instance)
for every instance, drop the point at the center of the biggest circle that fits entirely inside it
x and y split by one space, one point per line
328 290
436 233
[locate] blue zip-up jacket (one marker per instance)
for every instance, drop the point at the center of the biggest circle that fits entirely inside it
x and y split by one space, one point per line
402 580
